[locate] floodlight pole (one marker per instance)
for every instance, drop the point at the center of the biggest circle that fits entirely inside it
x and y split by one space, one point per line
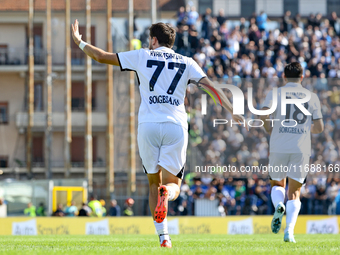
48 82
30 99
88 104
67 92
132 173
153 11
109 110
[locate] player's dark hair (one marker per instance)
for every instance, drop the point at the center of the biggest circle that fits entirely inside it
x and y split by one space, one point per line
293 71
164 33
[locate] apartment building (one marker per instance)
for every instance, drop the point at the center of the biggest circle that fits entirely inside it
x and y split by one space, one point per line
14 90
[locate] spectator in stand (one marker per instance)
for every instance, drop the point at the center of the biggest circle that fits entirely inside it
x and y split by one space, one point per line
334 96
102 202
198 193
317 21
286 22
41 210
30 210
261 21
3 208
181 16
136 43
297 19
183 208
96 207
320 199
263 151
207 24
333 21
71 210
114 209
84 211
211 193
337 201
240 191
311 20
221 18
192 16
128 211
262 199
59 212
332 192
306 199
242 25
254 34
193 40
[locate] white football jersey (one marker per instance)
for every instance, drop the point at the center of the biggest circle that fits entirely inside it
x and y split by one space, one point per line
291 139
163 76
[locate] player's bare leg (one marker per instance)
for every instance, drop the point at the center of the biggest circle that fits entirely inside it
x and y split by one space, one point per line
292 209
155 181
168 191
278 196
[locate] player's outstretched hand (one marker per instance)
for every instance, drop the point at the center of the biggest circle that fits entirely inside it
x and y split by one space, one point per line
240 119
75 32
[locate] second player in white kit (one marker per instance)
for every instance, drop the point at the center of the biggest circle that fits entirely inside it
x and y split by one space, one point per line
290 147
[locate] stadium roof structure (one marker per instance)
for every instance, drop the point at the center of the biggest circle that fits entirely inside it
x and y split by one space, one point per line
96 5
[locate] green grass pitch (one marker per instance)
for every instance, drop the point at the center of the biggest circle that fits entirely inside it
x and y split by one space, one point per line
182 244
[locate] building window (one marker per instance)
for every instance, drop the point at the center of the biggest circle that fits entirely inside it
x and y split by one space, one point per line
248 7
78 96
333 6
3 113
38 97
38 150
78 150
3 54
39 52
3 161
203 5
292 6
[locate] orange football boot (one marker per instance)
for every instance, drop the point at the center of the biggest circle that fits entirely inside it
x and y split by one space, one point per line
162 204
166 244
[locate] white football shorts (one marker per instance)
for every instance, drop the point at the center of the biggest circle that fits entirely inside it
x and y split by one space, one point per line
162 144
292 165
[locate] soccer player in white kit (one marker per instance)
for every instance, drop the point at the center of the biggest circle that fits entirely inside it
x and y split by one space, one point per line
162 120
290 147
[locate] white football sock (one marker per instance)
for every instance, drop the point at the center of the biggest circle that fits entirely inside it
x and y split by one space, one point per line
292 212
164 237
162 228
277 195
172 191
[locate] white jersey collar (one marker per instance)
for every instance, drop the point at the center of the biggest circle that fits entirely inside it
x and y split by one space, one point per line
163 48
292 84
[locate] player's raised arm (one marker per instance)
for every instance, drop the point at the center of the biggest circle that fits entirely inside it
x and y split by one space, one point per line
208 85
95 53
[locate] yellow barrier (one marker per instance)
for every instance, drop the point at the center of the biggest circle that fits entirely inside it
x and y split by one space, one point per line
69 195
177 225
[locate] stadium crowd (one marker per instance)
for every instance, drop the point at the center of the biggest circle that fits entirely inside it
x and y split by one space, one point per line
248 54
